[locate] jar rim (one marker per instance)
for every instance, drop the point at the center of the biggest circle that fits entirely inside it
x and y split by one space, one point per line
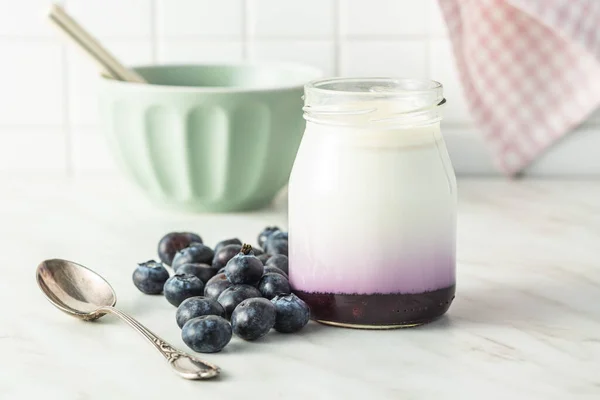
384 101
374 86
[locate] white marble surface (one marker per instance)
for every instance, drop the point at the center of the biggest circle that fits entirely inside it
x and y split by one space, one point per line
525 323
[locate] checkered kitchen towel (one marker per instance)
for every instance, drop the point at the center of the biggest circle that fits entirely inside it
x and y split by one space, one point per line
530 70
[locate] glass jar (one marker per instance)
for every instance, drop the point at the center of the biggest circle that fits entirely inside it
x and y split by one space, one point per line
372 204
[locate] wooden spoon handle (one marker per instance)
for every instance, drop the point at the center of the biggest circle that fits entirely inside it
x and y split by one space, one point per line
92 47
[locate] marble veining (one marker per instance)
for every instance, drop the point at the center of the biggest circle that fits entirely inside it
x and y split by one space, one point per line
525 323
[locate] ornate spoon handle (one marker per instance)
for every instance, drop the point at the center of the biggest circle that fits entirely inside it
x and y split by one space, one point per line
185 365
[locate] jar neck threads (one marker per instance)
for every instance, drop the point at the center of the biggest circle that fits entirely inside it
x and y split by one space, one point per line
380 102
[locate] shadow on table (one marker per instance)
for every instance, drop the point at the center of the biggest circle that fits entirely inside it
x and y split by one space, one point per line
313 329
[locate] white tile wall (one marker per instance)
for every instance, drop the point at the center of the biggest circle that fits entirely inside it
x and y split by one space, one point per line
90 153
31 83
383 18
320 54
33 149
437 26
384 58
48 118
114 18
200 18
186 50
291 19
25 18
444 70
82 74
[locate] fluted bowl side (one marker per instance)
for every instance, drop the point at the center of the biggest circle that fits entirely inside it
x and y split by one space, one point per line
224 142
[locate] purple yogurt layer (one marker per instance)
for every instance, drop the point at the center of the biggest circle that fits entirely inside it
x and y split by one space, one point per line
398 274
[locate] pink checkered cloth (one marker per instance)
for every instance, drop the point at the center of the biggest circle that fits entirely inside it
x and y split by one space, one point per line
530 70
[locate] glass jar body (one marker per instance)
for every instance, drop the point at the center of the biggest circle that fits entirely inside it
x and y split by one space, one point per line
372 224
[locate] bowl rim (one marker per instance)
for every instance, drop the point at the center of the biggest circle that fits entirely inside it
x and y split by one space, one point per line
293 67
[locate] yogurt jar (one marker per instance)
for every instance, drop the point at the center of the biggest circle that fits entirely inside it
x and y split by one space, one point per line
372 204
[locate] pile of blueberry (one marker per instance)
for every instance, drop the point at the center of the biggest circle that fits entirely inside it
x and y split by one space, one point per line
234 288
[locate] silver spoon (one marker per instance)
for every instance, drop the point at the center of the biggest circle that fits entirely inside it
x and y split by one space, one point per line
84 294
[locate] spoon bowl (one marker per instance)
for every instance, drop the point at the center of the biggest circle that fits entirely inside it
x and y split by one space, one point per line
75 289
82 293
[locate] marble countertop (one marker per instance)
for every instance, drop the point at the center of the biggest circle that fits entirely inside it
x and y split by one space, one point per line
525 322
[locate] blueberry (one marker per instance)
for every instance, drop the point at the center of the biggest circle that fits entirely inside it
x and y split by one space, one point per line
172 242
225 254
280 261
207 334
150 277
198 306
202 271
244 267
274 270
215 286
262 237
234 295
197 253
253 318
277 243
227 242
272 284
264 258
292 313
257 252
282 235
182 286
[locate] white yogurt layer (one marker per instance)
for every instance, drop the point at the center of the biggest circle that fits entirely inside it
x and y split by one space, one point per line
372 211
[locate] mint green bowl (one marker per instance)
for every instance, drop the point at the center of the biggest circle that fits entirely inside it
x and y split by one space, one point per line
211 138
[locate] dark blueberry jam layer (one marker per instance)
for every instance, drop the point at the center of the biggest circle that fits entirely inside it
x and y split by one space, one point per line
378 309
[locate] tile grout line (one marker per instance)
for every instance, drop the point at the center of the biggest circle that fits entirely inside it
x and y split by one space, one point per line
153 31
428 39
234 38
245 27
66 114
337 37
586 125
66 117
428 59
